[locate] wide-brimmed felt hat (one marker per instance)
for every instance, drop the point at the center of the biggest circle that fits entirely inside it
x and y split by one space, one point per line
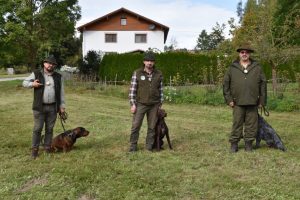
245 47
149 56
50 59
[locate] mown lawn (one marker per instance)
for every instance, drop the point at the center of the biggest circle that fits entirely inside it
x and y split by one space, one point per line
99 167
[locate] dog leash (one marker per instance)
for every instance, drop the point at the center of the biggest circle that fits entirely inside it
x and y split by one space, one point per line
265 110
63 117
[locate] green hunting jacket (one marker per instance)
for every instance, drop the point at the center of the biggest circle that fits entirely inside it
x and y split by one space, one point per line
245 87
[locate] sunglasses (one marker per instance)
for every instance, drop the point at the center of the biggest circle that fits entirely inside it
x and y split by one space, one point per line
244 52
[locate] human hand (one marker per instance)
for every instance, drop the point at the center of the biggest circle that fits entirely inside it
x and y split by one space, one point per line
36 83
62 110
133 109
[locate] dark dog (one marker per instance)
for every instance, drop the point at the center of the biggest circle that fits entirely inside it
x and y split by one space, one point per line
66 140
161 130
267 133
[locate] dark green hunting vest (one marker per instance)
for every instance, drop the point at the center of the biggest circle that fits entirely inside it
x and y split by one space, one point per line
38 92
148 90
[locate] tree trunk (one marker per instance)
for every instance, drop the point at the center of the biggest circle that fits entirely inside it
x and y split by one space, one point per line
274 78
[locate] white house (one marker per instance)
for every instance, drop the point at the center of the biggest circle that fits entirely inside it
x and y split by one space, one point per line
123 31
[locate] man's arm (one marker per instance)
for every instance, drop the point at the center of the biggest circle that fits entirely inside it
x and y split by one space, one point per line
161 90
28 82
226 90
263 89
62 97
132 93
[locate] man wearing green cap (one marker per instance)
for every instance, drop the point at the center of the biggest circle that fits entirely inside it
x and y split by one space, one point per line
244 88
47 102
145 97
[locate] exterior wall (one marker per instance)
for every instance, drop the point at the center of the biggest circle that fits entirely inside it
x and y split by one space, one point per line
95 40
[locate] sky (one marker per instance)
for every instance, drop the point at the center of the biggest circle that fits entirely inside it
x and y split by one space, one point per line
185 18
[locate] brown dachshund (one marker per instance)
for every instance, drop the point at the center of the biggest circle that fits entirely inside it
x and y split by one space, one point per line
66 140
161 130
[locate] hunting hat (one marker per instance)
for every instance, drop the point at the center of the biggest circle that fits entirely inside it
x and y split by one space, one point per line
149 56
50 59
245 47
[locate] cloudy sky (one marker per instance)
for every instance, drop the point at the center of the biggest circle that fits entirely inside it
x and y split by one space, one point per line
185 18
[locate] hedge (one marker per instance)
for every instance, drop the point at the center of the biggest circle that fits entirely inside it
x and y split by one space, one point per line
183 67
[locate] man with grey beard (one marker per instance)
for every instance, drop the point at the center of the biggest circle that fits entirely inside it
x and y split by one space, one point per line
244 89
47 102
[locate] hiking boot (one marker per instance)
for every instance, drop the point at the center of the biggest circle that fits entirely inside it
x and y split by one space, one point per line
132 148
248 146
34 152
234 147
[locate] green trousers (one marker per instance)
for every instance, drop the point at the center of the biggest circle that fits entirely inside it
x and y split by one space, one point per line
245 123
151 112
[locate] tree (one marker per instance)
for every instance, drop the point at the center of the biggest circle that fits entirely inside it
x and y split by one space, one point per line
204 41
287 21
90 65
32 29
173 45
272 38
211 41
240 11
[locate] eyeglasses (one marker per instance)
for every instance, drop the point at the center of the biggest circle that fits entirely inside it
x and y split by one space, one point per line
244 52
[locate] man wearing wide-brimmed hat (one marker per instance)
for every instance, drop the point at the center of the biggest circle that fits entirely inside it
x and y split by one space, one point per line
145 97
244 88
47 102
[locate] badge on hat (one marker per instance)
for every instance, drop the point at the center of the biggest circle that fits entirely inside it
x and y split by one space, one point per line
143 78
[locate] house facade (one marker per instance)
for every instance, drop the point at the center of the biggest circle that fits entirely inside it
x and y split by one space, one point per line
123 31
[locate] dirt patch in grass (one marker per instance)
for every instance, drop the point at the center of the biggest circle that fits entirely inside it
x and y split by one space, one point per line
85 197
31 183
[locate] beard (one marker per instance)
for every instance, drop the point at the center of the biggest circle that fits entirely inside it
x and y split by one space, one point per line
50 69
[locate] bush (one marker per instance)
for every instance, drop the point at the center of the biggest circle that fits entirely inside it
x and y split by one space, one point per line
213 95
181 66
283 104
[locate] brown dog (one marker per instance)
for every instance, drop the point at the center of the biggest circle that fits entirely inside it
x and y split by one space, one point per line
66 140
161 130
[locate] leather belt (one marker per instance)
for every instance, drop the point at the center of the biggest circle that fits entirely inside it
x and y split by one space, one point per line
49 104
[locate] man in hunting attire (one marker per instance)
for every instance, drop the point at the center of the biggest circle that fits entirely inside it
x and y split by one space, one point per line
47 102
244 89
145 97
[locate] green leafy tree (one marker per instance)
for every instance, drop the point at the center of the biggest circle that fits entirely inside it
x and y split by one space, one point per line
211 41
240 11
204 41
272 37
90 65
32 29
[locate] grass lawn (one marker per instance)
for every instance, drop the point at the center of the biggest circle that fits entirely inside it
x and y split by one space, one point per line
99 167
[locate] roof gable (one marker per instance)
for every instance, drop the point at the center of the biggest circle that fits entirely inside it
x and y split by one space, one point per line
104 22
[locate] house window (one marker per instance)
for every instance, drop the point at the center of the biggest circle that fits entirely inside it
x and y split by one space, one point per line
140 38
111 38
123 21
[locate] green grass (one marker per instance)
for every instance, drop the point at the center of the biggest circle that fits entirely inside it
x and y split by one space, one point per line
99 167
